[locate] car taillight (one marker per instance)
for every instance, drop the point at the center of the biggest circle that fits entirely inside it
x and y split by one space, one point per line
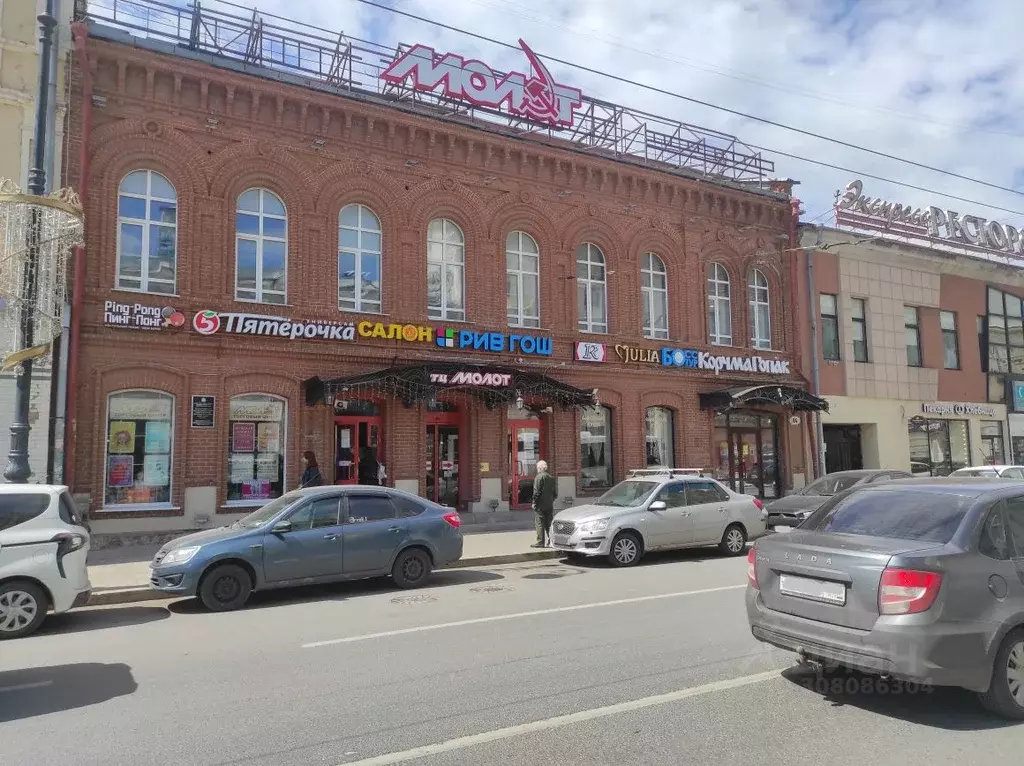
67 542
758 504
453 519
907 591
752 570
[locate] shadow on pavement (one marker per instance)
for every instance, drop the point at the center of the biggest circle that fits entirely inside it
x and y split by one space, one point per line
344 591
38 691
940 707
128 554
655 558
97 618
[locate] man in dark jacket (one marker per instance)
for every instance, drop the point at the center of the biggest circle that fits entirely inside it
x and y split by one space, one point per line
545 490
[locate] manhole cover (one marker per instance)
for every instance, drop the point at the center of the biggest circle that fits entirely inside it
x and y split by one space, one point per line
490 589
543 576
420 599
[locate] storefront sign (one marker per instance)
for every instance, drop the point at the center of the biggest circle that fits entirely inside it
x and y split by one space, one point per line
496 342
408 332
141 407
1017 395
634 355
536 97
203 411
472 378
701 360
585 351
957 408
136 316
211 322
264 410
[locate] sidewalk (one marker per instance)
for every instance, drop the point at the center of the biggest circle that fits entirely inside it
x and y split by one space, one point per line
121 575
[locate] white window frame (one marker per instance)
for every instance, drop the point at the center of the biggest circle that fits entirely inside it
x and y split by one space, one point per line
590 256
149 198
453 257
284 448
717 276
759 295
360 252
169 505
517 314
260 239
653 266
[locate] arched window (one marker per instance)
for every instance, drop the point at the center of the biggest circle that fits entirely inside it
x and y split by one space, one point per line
719 306
760 315
446 270
596 447
261 247
256 448
654 289
147 233
591 289
139 436
359 248
659 431
522 279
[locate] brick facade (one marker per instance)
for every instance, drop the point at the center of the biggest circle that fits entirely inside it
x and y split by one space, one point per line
214 133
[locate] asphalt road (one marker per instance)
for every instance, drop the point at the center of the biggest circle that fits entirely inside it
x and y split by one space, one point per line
535 663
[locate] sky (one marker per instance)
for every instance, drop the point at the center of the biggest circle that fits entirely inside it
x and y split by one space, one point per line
939 82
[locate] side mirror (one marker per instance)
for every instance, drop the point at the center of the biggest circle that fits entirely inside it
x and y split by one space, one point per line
657 505
281 527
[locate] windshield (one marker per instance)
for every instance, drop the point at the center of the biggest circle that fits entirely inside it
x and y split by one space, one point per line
827 486
628 494
899 514
268 511
975 472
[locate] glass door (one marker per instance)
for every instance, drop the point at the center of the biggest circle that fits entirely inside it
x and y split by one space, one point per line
525 450
443 464
746 464
358 450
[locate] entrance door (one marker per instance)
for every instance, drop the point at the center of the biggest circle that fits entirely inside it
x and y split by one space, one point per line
748 454
842 448
525 450
358 450
443 464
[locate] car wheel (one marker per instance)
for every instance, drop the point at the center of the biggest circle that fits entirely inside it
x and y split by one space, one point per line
23 607
411 569
1005 695
734 540
225 588
625 550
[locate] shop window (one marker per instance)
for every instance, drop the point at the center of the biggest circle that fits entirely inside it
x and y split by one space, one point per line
938 447
140 436
992 442
760 310
719 306
522 279
261 247
596 447
858 316
256 448
654 292
829 327
1001 335
147 233
446 271
359 260
660 436
591 289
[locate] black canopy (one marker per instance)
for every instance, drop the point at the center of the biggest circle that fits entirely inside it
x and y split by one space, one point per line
785 396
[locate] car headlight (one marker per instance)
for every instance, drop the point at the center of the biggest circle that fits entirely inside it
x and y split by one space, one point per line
593 527
179 555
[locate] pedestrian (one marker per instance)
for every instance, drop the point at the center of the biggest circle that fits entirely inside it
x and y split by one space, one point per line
545 489
311 476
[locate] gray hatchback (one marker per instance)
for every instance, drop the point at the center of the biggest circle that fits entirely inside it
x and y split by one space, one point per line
322 534
921 580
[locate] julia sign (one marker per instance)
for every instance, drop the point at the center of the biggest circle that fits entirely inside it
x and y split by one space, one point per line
211 322
536 97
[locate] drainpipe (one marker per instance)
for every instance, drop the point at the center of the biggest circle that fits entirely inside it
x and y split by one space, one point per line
815 356
79 33
59 357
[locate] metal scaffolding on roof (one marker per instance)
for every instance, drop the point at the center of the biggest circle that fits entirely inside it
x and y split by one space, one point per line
223 29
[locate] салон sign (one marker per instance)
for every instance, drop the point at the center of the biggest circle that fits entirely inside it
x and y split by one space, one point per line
537 97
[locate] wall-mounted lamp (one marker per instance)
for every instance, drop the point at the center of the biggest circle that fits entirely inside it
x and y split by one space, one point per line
519 401
329 399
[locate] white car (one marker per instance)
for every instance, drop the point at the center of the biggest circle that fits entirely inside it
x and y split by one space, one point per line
659 510
991 472
43 547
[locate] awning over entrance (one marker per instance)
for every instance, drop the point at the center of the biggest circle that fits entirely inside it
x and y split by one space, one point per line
416 383
784 396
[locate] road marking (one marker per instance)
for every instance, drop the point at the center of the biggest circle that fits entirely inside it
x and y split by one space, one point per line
547 724
516 616
22 687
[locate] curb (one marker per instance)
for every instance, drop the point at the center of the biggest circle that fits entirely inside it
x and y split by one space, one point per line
139 593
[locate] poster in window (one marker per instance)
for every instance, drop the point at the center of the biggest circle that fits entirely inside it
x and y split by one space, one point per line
122 437
158 437
256 489
241 468
120 471
267 467
268 438
243 437
156 471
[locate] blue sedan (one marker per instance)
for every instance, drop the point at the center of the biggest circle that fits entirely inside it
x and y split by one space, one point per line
316 535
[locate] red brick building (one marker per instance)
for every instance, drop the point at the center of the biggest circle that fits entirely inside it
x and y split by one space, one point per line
275 266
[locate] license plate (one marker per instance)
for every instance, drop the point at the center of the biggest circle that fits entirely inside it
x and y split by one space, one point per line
815 590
